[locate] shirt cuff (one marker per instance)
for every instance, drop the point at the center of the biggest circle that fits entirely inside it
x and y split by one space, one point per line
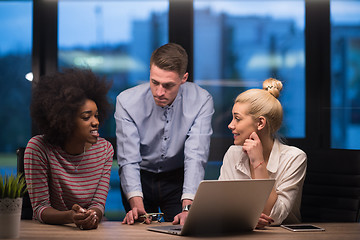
98 206
134 194
187 196
40 211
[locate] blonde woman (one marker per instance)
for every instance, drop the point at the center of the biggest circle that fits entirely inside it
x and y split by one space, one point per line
259 154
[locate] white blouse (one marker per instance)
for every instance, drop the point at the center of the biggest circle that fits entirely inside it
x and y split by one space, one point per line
287 165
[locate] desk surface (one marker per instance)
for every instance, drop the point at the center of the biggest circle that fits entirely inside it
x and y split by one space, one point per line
115 230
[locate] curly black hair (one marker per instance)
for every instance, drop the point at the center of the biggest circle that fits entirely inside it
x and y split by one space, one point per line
57 98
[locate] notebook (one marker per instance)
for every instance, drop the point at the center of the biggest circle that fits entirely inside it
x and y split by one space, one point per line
223 207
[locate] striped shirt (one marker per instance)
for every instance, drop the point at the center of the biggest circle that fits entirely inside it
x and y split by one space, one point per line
59 180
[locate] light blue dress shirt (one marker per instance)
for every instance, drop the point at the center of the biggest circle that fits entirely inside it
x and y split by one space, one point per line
161 139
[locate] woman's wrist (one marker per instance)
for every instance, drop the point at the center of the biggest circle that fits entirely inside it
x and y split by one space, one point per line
259 164
99 214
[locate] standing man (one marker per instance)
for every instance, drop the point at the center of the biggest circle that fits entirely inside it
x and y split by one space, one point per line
163 131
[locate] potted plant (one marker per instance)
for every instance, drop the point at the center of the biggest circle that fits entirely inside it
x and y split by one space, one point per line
12 190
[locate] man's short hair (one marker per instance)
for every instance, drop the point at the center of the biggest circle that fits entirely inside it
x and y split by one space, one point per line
170 57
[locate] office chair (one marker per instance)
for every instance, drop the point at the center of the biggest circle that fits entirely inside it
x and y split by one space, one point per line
26 212
331 191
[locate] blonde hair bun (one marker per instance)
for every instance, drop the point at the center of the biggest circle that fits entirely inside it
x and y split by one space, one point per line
273 86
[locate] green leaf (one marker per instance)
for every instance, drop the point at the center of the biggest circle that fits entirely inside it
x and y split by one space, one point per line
12 186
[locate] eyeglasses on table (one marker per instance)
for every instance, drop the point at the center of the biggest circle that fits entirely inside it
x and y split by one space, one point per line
152 216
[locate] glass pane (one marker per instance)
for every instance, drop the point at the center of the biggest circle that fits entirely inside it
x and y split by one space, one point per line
15 90
115 39
238 44
345 74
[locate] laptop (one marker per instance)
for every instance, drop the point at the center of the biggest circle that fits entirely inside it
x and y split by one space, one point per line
222 207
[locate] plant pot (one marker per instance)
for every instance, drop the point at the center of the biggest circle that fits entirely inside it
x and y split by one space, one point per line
10 216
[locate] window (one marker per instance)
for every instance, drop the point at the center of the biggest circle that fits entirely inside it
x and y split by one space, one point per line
15 91
345 74
113 38
239 44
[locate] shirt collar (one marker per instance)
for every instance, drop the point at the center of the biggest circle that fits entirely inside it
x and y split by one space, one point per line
274 158
243 164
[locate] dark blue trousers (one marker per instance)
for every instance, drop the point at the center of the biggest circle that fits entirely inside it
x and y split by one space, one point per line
162 191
